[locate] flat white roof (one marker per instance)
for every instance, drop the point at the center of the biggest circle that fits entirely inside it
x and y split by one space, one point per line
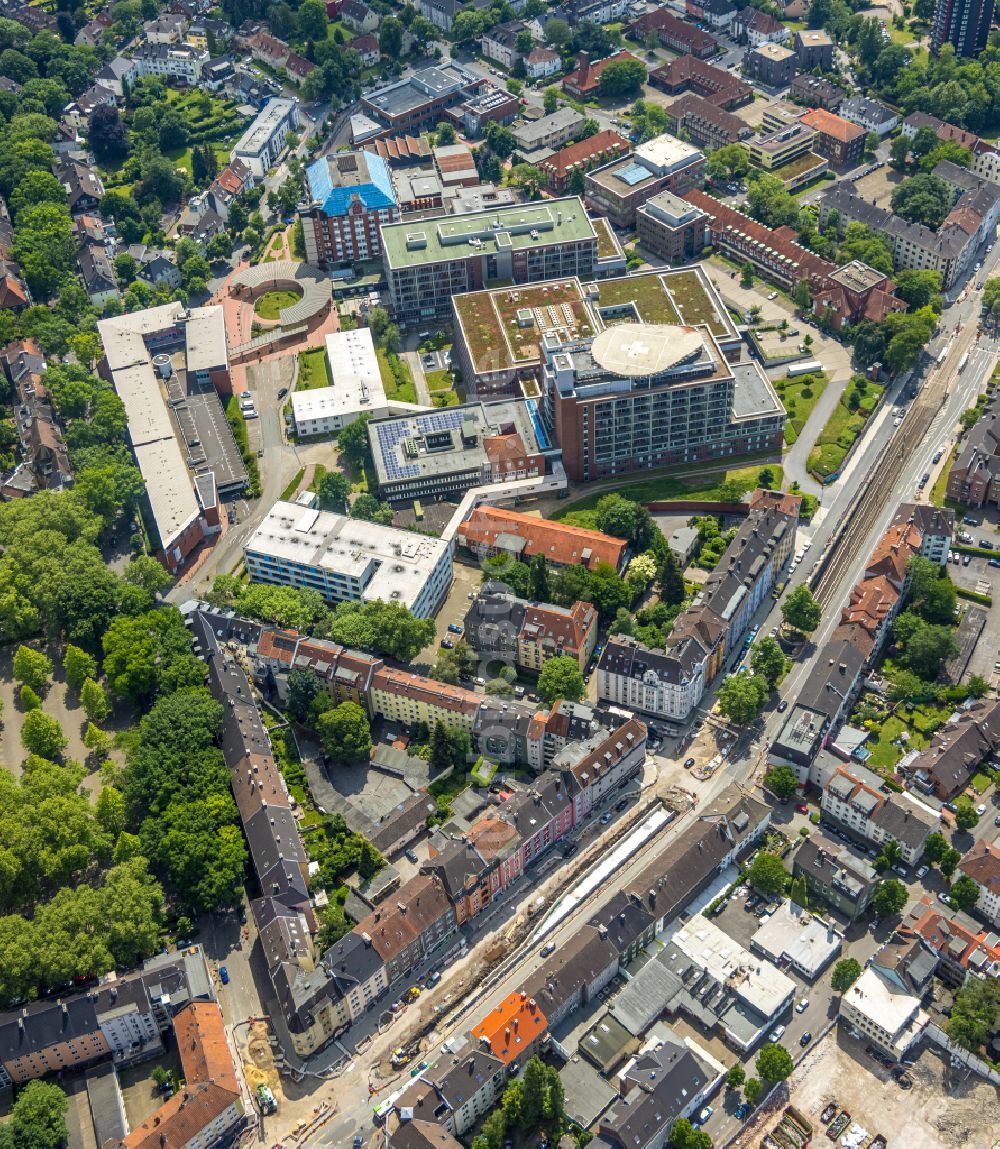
666 153
395 563
807 942
205 339
357 382
168 485
753 979
890 1009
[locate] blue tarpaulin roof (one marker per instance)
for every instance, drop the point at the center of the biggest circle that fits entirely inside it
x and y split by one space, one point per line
375 193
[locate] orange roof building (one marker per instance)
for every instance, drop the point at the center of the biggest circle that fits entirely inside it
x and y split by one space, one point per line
209 1105
839 140
491 530
585 154
893 552
512 1031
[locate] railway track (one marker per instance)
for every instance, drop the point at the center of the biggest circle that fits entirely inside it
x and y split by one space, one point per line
877 488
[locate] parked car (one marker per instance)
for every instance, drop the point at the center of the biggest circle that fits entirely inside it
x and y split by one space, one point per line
772 295
981 809
777 1034
223 975
447 643
411 856
282 392
742 1110
802 808
922 872
782 706
688 763
986 544
805 1039
605 819
704 1115
802 1006
548 948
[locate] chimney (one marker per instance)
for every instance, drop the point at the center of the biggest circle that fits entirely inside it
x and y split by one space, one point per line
583 70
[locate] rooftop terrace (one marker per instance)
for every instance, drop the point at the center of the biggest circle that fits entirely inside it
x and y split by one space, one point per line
681 297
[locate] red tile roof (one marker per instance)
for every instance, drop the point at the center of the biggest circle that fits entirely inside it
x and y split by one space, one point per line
561 543
828 124
587 76
608 144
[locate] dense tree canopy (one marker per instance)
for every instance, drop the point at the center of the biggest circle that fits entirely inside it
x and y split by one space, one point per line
561 678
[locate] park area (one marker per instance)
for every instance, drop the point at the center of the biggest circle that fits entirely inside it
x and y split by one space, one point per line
799 396
895 729
713 486
272 303
314 371
857 403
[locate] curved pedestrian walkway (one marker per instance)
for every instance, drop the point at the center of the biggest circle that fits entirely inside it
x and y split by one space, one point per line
283 275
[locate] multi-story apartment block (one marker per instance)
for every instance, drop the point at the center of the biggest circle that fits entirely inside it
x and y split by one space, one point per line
935 524
637 396
583 157
512 1032
181 63
982 865
350 197
842 879
872 115
855 292
670 683
262 143
884 1014
974 477
773 150
428 262
958 950
813 49
705 123
815 92
553 631
689 74
965 24
854 799
672 228
674 33
417 923
664 164
500 42
842 142
771 64
348 560
409 699
457 1092
753 26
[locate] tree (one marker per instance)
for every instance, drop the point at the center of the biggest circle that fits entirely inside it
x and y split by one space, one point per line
382 628
684 1135
41 734
107 135
927 648
561 678
625 519
890 897
767 660
311 18
303 687
890 855
623 78
965 814
771 203
29 699
32 668
110 811
366 506
94 700
767 874
923 198
949 862
38 1117
782 781
353 441
964 893
529 179
345 733
539 579
752 1090
935 848
742 696
975 1014
144 571
445 134
932 596
899 149
774 1063
800 609
919 288
440 759
845 973
390 38
333 490
78 665
97 741
550 101
736 1076
670 581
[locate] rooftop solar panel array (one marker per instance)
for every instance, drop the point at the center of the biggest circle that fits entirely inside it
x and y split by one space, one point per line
389 437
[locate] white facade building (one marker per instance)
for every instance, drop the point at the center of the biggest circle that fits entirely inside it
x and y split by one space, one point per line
262 143
884 1014
357 387
349 560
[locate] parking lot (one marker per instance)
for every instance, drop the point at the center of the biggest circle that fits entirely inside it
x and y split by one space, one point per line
466 579
978 575
878 186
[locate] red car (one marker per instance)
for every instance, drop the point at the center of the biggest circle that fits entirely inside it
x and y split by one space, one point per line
802 808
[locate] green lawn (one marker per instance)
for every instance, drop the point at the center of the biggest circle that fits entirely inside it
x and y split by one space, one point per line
272 303
919 724
399 383
333 26
842 428
293 486
581 512
313 369
799 396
